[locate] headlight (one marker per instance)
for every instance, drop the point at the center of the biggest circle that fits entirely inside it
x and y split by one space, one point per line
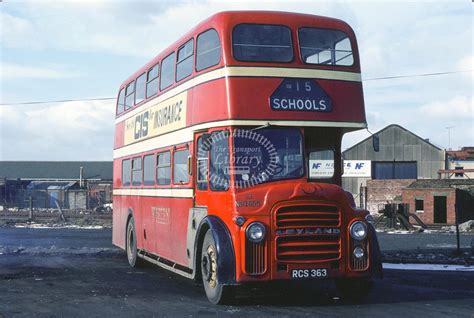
358 252
256 232
358 230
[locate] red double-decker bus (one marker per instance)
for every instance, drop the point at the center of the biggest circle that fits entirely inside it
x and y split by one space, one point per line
227 156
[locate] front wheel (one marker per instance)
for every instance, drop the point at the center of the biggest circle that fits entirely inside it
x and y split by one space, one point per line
216 292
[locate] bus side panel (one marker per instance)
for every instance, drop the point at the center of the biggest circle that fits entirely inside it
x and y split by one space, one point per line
148 225
156 219
119 216
119 134
119 219
122 205
179 226
166 223
132 202
210 102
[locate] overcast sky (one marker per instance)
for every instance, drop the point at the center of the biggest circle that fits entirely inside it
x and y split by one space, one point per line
78 49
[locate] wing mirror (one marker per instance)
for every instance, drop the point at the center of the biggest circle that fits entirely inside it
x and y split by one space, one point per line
376 142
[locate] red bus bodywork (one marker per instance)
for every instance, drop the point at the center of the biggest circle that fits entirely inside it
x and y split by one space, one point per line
170 219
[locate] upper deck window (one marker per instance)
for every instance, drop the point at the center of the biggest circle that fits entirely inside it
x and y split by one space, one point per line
121 101
167 71
208 50
130 95
184 65
324 46
140 90
152 81
262 43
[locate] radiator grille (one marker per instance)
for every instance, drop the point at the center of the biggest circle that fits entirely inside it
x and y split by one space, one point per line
308 246
307 215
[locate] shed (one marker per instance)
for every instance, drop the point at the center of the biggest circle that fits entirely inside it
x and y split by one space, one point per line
403 155
435 201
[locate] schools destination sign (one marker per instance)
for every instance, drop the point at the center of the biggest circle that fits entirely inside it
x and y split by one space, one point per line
295 94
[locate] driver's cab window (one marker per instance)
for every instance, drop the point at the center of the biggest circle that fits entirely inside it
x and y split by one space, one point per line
202 163
321 164
219 165
213 165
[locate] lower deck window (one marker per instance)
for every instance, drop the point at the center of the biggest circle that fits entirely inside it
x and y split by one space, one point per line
163 168
126 171
180 166
137 171
149 170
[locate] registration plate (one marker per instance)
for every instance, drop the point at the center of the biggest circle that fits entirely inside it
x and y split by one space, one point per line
309 273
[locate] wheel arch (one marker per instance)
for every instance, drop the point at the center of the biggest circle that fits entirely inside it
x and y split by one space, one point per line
375 255
225 249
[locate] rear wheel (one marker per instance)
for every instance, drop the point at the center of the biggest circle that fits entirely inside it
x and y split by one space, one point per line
216 292
131 245
354 289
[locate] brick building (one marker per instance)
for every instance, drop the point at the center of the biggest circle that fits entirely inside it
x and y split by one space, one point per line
434 201
381 192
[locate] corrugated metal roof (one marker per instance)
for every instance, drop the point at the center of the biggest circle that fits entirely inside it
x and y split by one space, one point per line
51 185
397 127
441 183
46 170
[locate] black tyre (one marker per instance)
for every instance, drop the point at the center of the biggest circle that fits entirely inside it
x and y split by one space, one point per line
354 289
131 245
216 292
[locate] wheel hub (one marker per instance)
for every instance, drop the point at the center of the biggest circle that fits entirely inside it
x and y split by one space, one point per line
206 267
209 266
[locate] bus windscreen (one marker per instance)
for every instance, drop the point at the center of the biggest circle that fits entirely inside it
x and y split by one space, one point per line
325 46
267 155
